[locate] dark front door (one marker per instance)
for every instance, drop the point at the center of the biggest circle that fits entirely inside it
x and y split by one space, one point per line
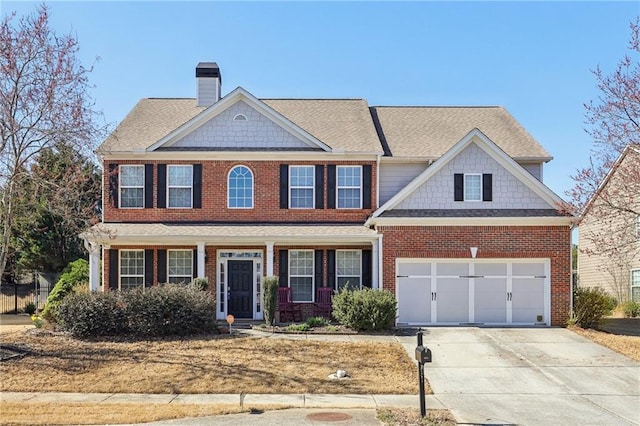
240 288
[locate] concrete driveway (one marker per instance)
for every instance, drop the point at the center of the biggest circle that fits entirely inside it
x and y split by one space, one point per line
530 376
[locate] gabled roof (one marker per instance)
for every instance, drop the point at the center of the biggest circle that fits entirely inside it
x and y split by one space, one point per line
487 145
631 148
429 132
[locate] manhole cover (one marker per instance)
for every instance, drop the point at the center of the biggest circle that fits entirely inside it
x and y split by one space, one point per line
329 417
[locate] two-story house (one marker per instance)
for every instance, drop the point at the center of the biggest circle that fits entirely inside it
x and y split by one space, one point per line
443 206
609 237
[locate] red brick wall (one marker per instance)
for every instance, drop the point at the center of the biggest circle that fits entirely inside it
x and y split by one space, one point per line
551 242
214 197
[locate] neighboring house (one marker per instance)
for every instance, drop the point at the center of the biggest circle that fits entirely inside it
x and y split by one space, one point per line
443 206
609 231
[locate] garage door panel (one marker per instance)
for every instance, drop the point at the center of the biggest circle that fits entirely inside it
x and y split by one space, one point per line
491 269
490 300
528 269
452 299
414 300
452 269
527 299
414 268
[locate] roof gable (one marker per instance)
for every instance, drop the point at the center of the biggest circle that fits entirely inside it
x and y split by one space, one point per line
219 117
474 140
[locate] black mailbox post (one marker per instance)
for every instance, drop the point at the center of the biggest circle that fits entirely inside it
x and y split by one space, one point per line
423 355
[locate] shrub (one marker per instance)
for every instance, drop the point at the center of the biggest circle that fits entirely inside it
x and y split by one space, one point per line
93 314
298 327
74 275
631 309
590 305
157 311
366 309
270 292
30 308
317 322
201 284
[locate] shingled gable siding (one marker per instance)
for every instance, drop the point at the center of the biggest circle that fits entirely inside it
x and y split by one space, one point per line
552 242
266 197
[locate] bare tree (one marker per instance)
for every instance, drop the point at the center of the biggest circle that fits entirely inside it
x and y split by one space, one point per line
44 98
607 192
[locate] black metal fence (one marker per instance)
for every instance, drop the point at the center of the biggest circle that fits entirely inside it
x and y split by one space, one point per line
14 298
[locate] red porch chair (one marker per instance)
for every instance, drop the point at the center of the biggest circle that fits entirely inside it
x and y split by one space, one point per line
322 307
289 311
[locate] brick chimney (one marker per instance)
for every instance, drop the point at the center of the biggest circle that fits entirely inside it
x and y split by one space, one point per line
209 82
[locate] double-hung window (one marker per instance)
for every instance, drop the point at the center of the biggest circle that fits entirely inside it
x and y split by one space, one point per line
180 266
349 187
131 269
131 186
301 275
348 269
180 186
301 187
240 187
473 187
635 285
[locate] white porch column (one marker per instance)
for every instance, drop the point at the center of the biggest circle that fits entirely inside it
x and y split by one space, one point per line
378 260
374 264
94 264
201 260
269 262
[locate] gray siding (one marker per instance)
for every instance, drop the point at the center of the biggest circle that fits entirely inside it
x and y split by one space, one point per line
395 176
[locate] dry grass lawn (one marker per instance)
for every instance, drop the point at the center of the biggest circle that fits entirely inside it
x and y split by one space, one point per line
625 345
205 364
24 413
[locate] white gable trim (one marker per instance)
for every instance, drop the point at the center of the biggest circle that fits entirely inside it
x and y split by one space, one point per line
237 95
488 146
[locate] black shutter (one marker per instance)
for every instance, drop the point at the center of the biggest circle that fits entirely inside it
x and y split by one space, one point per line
162 186
319 186
148 186
162 266
331 186
331 269
366 186
487 192
458 187
318 268
113 184
366 268
197 186
283 269
194 273
113 269
148 268
284 186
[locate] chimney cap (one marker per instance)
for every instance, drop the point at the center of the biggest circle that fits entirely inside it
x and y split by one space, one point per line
208 69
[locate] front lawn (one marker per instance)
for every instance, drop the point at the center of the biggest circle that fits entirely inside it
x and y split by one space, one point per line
204 364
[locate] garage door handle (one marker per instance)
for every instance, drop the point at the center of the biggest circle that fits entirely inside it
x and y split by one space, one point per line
509 296
433 296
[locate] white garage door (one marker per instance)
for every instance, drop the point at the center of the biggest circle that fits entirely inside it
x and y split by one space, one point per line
482 291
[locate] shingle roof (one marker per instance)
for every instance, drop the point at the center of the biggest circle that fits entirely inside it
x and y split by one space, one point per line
346 124
431 131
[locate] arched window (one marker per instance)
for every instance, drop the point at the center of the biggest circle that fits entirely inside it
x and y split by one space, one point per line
240 188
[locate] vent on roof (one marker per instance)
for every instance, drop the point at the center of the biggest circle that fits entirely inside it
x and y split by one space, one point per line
240 117
209 83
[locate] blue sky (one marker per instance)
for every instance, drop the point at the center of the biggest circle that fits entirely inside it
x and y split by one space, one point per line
533 58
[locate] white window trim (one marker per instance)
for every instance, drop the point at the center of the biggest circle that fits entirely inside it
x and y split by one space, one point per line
338 187
121 186
348 276
313 284
631 285
313 188
464 187
253 186
190 265
179 186
121 275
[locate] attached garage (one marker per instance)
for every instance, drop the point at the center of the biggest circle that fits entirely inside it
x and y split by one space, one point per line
477 291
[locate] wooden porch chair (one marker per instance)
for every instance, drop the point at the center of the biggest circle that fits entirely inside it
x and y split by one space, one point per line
322 306
289 311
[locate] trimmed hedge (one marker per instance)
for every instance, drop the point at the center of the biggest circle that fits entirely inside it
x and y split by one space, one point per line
270 294
74 275
366 309
165 310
